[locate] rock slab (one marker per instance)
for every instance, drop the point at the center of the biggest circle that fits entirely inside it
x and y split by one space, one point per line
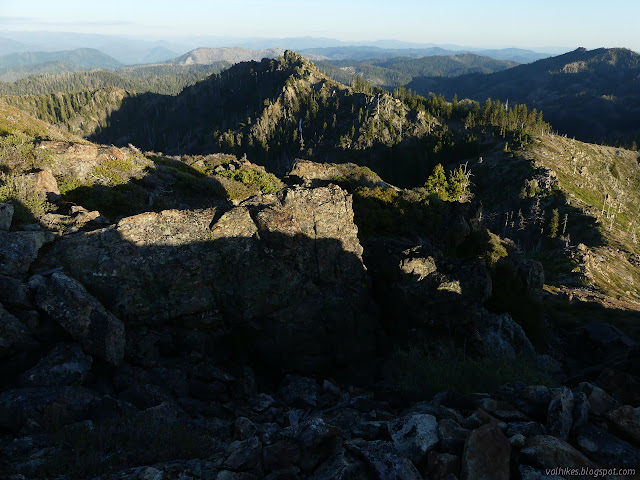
98 331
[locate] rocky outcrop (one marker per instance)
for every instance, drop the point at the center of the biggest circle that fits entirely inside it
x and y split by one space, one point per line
415 435
65 365
43 409
19 249
313 174
14 335
280 273
419 287
6 216
486 454
82 316
43 183
503 337
136 345
548 452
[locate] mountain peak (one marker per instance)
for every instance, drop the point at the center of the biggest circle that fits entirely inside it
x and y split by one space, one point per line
292 56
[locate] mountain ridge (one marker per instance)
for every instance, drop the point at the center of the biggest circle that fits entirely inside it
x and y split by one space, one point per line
82 57
589 94
205 55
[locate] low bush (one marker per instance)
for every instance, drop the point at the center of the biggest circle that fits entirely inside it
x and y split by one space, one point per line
448 368
263 181
88 449
28 204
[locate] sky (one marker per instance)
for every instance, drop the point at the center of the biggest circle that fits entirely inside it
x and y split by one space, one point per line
472 23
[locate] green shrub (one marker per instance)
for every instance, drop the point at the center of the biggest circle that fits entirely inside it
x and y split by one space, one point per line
453 187
18 154
263 181
483 244
378 212
114 171
67 184
451 369
28 205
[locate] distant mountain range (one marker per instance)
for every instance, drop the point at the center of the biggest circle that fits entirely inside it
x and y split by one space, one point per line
134 50
15 66
81 57
379 68
125 50
373 52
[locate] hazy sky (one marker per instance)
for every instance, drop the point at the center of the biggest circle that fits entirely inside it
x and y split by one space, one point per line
488 23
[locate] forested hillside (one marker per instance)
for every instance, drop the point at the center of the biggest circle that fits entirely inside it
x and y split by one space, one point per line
157 78
401 70
82 57
592 95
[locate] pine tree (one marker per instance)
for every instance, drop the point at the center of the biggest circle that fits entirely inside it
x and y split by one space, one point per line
437 182
458 185
554 223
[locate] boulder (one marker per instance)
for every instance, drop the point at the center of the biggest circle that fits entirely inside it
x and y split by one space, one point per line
452 436
626 422
546 451
341 466
14 335
99 332
384 461
19 249
606 449
299 392
600 402
244 455
502 410
531 274
503 337
414 436
66 364
280 274
486 455
310 173
601 341
418 287
43 182
532 400
14 293
560 413
279 455
621 384
6 215
527 429
441 465
43 408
